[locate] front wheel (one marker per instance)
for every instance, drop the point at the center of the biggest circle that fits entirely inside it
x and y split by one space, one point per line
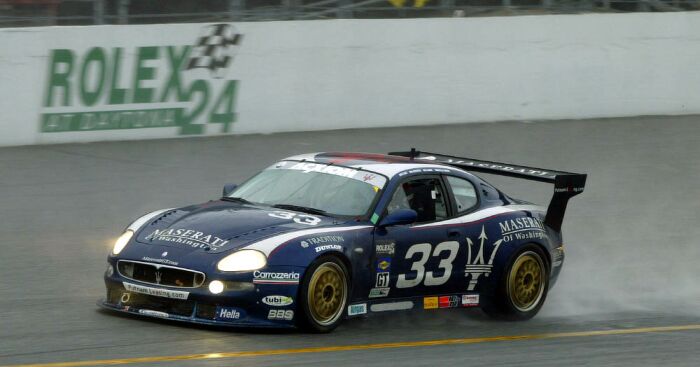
523 287
324 295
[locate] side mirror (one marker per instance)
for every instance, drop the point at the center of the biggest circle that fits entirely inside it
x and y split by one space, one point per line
228 189
398 217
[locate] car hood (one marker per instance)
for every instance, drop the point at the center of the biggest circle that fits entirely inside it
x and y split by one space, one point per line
221 226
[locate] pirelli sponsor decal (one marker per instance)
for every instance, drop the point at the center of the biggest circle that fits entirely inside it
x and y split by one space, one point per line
158 292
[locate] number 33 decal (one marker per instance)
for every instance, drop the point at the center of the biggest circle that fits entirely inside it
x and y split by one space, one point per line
418 267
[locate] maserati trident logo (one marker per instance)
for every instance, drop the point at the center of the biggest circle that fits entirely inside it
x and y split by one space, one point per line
158 276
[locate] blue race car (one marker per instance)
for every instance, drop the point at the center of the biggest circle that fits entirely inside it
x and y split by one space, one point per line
319 237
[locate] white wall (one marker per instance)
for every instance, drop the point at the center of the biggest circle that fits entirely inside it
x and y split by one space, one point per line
312 75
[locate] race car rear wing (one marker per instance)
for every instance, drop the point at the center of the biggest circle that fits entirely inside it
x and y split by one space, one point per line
566 184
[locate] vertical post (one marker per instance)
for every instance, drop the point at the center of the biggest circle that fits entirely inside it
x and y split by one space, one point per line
98 8
123 12
235 9
505 3
546 4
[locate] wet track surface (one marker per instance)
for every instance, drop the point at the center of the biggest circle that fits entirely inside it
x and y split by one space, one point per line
631 266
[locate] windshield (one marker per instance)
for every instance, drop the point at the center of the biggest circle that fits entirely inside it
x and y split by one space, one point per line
322 188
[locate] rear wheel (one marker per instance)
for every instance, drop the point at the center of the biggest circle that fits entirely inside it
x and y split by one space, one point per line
523 287
324 295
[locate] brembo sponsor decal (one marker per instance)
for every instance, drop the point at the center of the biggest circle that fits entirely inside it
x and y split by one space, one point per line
188 237
158 292
263 277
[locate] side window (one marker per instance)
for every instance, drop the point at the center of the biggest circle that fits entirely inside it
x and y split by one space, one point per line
464 193
424 195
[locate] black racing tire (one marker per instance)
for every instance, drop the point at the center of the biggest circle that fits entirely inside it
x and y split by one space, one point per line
324 295
523 286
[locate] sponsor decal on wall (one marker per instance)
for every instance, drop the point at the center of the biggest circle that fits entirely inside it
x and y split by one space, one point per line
188 237
179 86
263 277
229 313
279 301
357 309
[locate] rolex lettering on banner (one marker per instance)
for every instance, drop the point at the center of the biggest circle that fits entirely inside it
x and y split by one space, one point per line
177 86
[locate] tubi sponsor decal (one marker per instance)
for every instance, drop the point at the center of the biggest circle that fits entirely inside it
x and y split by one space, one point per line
229 313
278 301
357 309
430 303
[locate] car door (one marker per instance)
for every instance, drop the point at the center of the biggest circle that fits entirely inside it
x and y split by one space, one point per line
418 258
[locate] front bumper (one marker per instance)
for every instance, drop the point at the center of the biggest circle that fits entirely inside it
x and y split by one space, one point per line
197 305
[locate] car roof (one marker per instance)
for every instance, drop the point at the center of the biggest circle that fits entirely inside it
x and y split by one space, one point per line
388 165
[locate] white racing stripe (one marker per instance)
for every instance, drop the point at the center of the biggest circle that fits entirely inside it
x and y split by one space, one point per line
268 245
488 212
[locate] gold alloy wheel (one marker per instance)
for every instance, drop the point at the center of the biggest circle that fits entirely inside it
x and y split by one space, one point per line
526 281
327 293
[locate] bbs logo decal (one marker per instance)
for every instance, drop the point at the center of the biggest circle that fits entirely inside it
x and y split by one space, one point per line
382 280
278 301
280 315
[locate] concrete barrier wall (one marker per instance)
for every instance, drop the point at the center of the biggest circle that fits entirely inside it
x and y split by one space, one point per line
78 84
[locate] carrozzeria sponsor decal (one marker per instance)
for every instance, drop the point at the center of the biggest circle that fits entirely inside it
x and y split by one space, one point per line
178 86
262 277
188 237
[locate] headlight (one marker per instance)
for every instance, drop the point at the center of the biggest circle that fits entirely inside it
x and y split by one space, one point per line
122 241
244 260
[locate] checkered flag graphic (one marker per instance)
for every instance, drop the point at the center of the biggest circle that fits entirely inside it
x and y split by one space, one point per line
215 49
